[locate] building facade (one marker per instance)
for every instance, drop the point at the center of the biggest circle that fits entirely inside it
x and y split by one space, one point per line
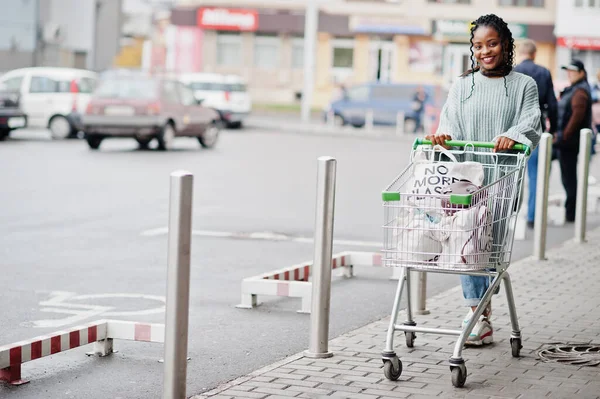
578 35
424 41
68 33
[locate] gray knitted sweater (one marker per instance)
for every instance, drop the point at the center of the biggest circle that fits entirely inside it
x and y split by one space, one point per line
490 113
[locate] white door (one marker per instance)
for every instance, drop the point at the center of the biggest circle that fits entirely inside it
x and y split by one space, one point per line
381 61
457 60
37 100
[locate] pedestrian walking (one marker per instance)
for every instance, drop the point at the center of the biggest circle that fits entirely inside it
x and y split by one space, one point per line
596 111
418 105
548 108
574 114
490 102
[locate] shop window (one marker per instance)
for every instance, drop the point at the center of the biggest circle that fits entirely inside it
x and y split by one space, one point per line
229 49
451 1
522 3
297 53
266 52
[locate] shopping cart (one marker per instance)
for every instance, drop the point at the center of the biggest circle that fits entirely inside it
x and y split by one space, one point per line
475 231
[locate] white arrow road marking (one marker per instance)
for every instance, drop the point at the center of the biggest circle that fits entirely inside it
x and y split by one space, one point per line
62 302
261 236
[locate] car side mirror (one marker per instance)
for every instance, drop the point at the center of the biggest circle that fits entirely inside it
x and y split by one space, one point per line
199 101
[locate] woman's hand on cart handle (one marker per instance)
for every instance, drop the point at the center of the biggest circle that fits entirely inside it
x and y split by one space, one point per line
439 139
503 144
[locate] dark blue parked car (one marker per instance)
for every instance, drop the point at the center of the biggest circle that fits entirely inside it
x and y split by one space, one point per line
385 100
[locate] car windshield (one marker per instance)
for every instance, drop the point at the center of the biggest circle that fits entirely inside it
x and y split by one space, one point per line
127 88
211 86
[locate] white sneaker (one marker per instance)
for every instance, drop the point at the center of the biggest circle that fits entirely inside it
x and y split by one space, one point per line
482 333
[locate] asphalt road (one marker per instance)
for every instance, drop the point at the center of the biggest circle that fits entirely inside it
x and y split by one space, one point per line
91 223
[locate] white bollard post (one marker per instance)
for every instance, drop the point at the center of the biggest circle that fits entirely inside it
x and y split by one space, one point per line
400 123
583 171
321 268
541 197
418 292
427 122
369 120
331 118
178 285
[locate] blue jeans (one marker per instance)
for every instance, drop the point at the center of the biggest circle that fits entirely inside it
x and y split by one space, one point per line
474 287
532 170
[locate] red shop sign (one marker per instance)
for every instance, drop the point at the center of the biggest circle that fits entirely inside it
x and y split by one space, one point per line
579 43
227 19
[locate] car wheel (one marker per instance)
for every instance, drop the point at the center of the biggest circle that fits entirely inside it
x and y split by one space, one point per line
166 137
60 128
338 120
94 141
210 136
143 142
4 134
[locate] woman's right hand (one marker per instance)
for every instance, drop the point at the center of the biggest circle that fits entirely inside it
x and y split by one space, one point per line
439 139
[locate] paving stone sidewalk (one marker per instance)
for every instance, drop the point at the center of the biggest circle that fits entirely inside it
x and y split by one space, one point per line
558 301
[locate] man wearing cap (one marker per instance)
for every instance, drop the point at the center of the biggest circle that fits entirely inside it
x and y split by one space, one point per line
548 107
574 114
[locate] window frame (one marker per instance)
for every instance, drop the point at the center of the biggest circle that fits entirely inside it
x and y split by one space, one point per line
451 2
267 40
528 3
20 78
35 78
295 43
229 38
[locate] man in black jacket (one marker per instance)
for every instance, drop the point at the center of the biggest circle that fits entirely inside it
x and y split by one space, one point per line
548 106
574 114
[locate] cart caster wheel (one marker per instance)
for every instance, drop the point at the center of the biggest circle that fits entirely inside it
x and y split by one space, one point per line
459 376
389 372
410 339
515 344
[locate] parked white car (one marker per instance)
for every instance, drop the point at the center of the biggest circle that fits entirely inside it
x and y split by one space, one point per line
53 98
227 94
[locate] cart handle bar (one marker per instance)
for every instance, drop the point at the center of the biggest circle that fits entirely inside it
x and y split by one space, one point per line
477 144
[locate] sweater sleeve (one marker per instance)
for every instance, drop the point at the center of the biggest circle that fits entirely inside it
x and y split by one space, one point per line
528 128
449 123
578 106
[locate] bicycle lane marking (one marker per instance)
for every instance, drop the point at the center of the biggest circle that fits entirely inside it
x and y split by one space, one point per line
62 302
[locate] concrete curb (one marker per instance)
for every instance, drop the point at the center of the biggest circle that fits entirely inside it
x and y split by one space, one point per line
324 130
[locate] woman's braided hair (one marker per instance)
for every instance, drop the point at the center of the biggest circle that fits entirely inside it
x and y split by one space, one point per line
508 48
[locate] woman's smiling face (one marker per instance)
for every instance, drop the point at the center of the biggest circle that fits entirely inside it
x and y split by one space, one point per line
487 48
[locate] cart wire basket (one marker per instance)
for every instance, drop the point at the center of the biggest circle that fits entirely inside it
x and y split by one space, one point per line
430 228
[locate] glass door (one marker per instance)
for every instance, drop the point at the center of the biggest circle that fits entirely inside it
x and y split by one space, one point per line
381 61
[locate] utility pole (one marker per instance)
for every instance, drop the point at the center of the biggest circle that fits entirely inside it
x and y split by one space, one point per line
36 33
311 24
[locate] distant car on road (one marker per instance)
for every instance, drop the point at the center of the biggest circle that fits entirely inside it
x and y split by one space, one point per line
52 98
385 100
145 108
11 116
227 94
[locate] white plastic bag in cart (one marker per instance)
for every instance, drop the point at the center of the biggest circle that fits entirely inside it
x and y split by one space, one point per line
415 232
431 177
468 240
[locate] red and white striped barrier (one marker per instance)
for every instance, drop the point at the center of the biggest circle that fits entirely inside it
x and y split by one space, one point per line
101 333
294 281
